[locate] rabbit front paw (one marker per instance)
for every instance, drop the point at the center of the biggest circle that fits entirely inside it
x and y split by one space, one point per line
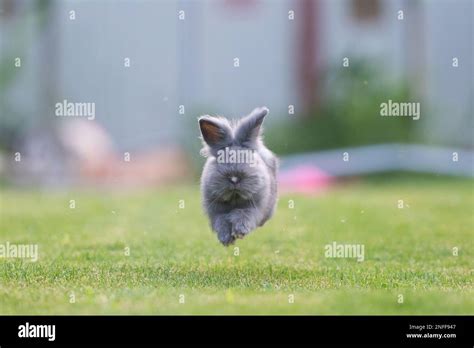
241 223
226 238
224 230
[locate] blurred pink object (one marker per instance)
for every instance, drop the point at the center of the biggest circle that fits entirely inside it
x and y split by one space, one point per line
94 157
304 179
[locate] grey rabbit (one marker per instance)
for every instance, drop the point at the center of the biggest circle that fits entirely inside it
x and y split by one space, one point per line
239 179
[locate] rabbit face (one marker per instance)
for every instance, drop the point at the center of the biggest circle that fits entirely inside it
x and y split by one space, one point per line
237 173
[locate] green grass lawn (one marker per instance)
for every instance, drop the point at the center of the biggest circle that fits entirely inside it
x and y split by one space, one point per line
82 251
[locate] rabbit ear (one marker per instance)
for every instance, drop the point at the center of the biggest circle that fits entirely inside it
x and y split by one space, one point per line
248 129
215 132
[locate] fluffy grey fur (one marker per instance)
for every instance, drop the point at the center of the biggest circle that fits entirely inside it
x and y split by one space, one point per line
237 197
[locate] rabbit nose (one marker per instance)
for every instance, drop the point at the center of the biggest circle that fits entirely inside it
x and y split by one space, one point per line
234 179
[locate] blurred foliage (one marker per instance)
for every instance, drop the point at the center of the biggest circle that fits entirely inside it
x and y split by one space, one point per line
348 114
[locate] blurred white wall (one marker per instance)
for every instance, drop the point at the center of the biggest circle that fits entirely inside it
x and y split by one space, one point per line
449 29
190 62
137 104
